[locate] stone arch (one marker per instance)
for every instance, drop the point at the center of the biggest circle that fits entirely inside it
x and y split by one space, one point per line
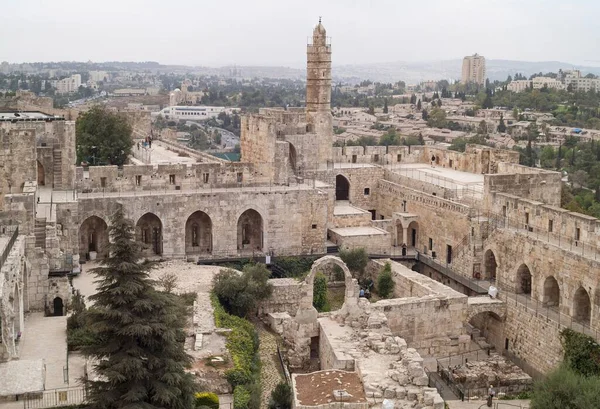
342 188
306 312
250 231
490 325
490 265
93 236
198 233
523 280
41 174
413 234
551 297
293 158
58 307
582 306
148 231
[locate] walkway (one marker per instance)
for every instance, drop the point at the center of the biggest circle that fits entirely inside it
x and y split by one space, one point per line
270 370
46 338
497 404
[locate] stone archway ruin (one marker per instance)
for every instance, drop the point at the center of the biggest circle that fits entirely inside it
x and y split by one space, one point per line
93 237
306 312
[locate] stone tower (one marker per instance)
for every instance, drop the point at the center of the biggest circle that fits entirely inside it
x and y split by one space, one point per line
318 93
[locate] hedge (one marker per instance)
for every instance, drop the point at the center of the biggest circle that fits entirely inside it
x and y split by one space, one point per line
207 399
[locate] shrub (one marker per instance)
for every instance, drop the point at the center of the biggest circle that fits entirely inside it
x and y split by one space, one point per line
320 301
582 352
242 344
281 397
565 388
239 293
385 282
241 397
356 260
295 267
207 399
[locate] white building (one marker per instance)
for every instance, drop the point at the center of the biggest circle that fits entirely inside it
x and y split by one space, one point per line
98 76
68 85
473 70
192 113
578 83
541 82
518 85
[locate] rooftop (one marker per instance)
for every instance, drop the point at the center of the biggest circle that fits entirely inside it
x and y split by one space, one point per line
26 116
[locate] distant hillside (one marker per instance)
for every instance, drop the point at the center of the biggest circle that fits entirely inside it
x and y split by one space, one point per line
414 72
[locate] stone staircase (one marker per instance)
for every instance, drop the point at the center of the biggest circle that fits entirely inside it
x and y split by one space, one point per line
40 232
57 168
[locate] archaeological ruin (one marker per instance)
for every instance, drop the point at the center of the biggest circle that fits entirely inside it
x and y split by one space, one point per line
451 224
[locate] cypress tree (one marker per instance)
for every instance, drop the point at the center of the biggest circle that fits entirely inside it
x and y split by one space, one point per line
137 345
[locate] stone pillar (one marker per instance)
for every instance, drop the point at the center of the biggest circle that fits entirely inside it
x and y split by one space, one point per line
405 235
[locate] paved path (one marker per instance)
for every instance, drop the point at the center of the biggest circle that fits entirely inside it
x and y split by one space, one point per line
498 404
270 372
46 338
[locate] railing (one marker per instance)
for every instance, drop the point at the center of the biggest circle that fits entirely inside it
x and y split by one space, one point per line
284 367
551 314
586 249
55 398
448 272
13 230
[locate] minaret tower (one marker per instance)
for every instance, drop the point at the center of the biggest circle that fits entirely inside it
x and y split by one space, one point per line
318 92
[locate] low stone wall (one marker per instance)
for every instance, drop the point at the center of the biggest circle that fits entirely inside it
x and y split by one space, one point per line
284 298
331 355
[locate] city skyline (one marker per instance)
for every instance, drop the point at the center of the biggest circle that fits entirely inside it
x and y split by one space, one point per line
271 34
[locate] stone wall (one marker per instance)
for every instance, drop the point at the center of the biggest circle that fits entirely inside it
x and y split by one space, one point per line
544 219
17 159
284 298
516 252
378 155
293 220
540 185
13 276
428 315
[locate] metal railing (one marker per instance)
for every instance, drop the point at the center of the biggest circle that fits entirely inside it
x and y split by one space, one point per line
55 398
13 231
550 313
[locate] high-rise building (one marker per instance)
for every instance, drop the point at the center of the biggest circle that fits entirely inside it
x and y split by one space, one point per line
473 70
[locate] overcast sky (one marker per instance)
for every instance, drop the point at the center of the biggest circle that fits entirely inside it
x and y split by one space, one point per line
274 32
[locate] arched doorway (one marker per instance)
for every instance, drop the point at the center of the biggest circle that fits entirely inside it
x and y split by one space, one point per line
413 234
342 188
292 158
582 306
58 307
148 231
198 234
93 237
551 296
523 284
489 265
41 174
250 231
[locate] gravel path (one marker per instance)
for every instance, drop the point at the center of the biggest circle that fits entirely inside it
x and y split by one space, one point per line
270 371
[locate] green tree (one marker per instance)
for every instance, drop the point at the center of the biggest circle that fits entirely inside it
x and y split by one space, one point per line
437 118
320 301
501 125
482 129
102 137
419 106
356 260
413 99
140 361
281 397
207 399
371 110
566 389
385 282
239 293
385 106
